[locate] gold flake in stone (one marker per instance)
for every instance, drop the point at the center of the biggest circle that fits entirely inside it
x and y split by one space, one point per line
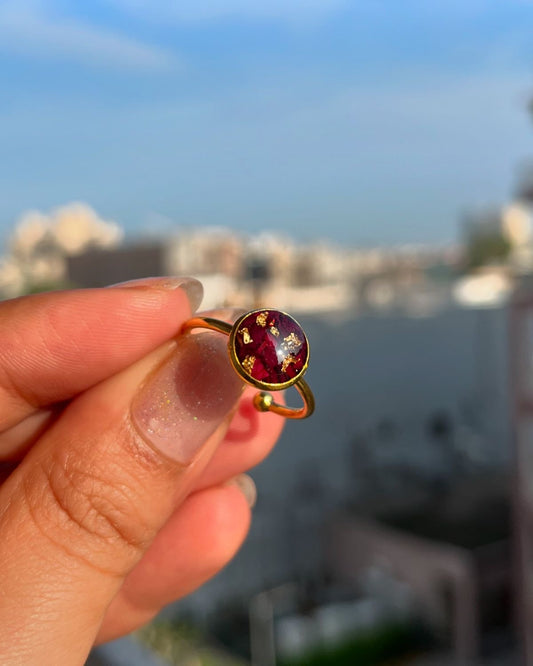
274 331
287 361
246 337
261 319
248 364
292 341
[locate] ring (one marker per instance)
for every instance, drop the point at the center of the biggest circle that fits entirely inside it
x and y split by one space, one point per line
269 350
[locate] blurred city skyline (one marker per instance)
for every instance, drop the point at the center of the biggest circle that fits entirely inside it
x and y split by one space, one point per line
367 122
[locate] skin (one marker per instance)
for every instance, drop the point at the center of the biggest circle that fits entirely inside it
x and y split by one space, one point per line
101 527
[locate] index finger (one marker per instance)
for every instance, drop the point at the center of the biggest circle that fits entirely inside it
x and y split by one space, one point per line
55 345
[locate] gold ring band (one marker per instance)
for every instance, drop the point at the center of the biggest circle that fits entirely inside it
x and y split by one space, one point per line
269 350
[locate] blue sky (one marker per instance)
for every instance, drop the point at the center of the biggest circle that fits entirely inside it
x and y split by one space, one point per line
370 121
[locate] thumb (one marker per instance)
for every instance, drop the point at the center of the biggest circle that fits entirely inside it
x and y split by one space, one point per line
87 501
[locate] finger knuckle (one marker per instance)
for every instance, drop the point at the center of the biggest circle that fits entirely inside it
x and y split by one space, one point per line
88 509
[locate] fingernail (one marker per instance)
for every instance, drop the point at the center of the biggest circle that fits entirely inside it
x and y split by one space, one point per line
188 397
247 487
193 288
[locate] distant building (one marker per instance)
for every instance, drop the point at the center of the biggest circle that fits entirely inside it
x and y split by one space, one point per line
517 222
73 246
500 236
451 555
205 250
99 267
40 245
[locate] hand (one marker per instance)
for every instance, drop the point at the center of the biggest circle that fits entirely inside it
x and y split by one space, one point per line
118 444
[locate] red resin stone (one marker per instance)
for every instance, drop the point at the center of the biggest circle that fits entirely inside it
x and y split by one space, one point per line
271 347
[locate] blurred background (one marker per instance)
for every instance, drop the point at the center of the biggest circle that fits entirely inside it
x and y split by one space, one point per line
368 167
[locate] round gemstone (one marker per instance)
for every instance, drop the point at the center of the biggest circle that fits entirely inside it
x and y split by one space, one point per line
271 347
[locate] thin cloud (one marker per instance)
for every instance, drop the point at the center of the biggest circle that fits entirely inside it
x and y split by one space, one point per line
182 11
30 32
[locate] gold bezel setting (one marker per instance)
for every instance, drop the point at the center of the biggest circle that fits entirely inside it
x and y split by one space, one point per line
238 366
263 401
